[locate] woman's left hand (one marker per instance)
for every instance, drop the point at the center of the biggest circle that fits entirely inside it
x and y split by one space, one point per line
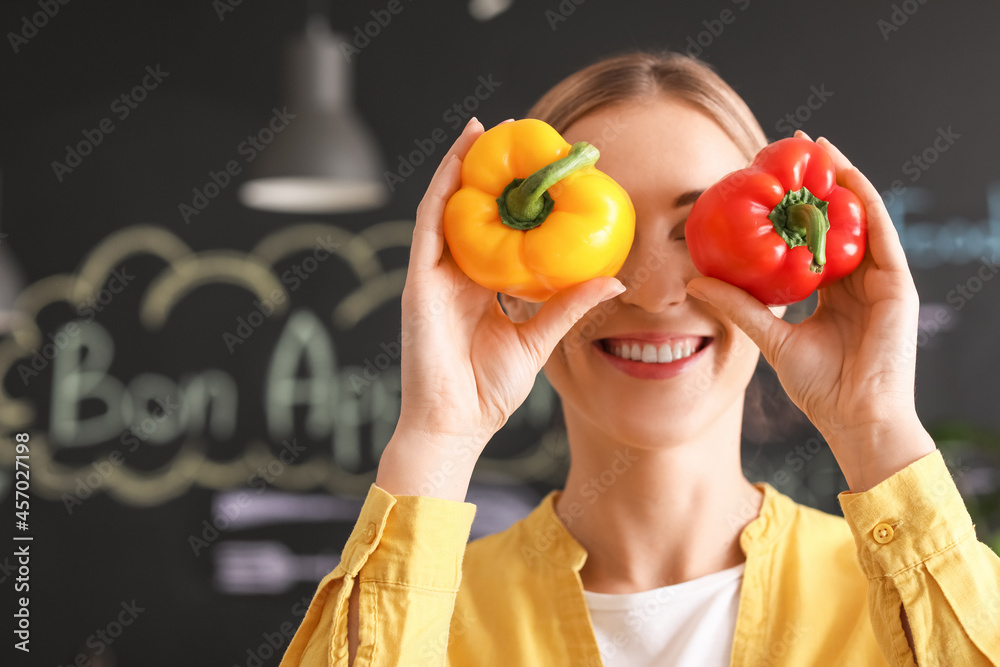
849 366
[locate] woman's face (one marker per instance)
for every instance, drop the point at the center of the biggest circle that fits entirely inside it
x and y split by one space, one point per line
611 369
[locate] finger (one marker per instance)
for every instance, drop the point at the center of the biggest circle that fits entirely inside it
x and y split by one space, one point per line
756 320
802 135
461 147
557 316
465 140
883 239
428 232
839 159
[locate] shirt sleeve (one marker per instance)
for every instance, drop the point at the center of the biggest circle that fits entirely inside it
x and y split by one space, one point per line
405 554
917 545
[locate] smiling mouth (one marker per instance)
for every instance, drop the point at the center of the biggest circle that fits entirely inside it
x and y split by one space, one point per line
649 353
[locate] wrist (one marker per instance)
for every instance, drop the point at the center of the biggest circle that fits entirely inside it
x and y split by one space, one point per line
415 464
868 454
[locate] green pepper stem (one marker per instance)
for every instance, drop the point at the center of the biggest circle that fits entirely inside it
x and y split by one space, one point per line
524 203
801 218
809 221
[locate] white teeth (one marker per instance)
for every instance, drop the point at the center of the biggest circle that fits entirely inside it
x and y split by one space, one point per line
664 356
651 354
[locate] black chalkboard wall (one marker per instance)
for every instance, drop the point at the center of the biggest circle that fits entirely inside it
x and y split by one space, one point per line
196 471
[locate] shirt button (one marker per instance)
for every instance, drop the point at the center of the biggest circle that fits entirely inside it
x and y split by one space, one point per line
883 533
370 533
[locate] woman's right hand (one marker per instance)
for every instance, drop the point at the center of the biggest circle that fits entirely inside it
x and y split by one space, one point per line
465 365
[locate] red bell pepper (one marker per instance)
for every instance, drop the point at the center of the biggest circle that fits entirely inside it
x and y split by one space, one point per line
781 228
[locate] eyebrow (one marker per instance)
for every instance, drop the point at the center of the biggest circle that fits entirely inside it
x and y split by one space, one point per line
688 197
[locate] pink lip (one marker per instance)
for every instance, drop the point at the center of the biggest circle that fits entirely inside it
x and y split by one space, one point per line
646 371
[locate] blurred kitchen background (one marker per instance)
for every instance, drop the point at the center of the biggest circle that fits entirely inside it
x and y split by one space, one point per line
205 213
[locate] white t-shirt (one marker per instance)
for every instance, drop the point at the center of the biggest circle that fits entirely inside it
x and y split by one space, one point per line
691 623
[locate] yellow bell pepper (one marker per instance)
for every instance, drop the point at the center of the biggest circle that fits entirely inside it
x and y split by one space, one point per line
517 176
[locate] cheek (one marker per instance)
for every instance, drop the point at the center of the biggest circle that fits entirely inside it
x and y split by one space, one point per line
742 357
562 369
567 356
585 330
572 345
556 372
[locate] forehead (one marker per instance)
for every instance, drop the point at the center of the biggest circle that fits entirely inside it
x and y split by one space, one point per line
658 146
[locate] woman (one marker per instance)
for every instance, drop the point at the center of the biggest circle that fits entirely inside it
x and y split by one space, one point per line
672 557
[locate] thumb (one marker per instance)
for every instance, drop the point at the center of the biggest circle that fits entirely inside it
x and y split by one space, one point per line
756 320
558 315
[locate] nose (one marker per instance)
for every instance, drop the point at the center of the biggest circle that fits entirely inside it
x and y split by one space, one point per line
656 273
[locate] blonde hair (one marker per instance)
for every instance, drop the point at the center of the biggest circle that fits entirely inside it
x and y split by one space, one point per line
641 76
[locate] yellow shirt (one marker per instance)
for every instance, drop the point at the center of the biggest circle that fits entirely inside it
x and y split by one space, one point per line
817 589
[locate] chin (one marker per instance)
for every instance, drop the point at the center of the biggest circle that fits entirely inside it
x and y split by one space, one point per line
650 422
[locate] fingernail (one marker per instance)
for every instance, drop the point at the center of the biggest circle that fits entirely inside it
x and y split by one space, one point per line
803 134
509 120
613 292
696 294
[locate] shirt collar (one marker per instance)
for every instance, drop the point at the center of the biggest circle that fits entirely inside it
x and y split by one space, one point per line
776 513
547 536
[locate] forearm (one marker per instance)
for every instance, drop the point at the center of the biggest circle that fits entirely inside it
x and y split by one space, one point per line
869 454
419 465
